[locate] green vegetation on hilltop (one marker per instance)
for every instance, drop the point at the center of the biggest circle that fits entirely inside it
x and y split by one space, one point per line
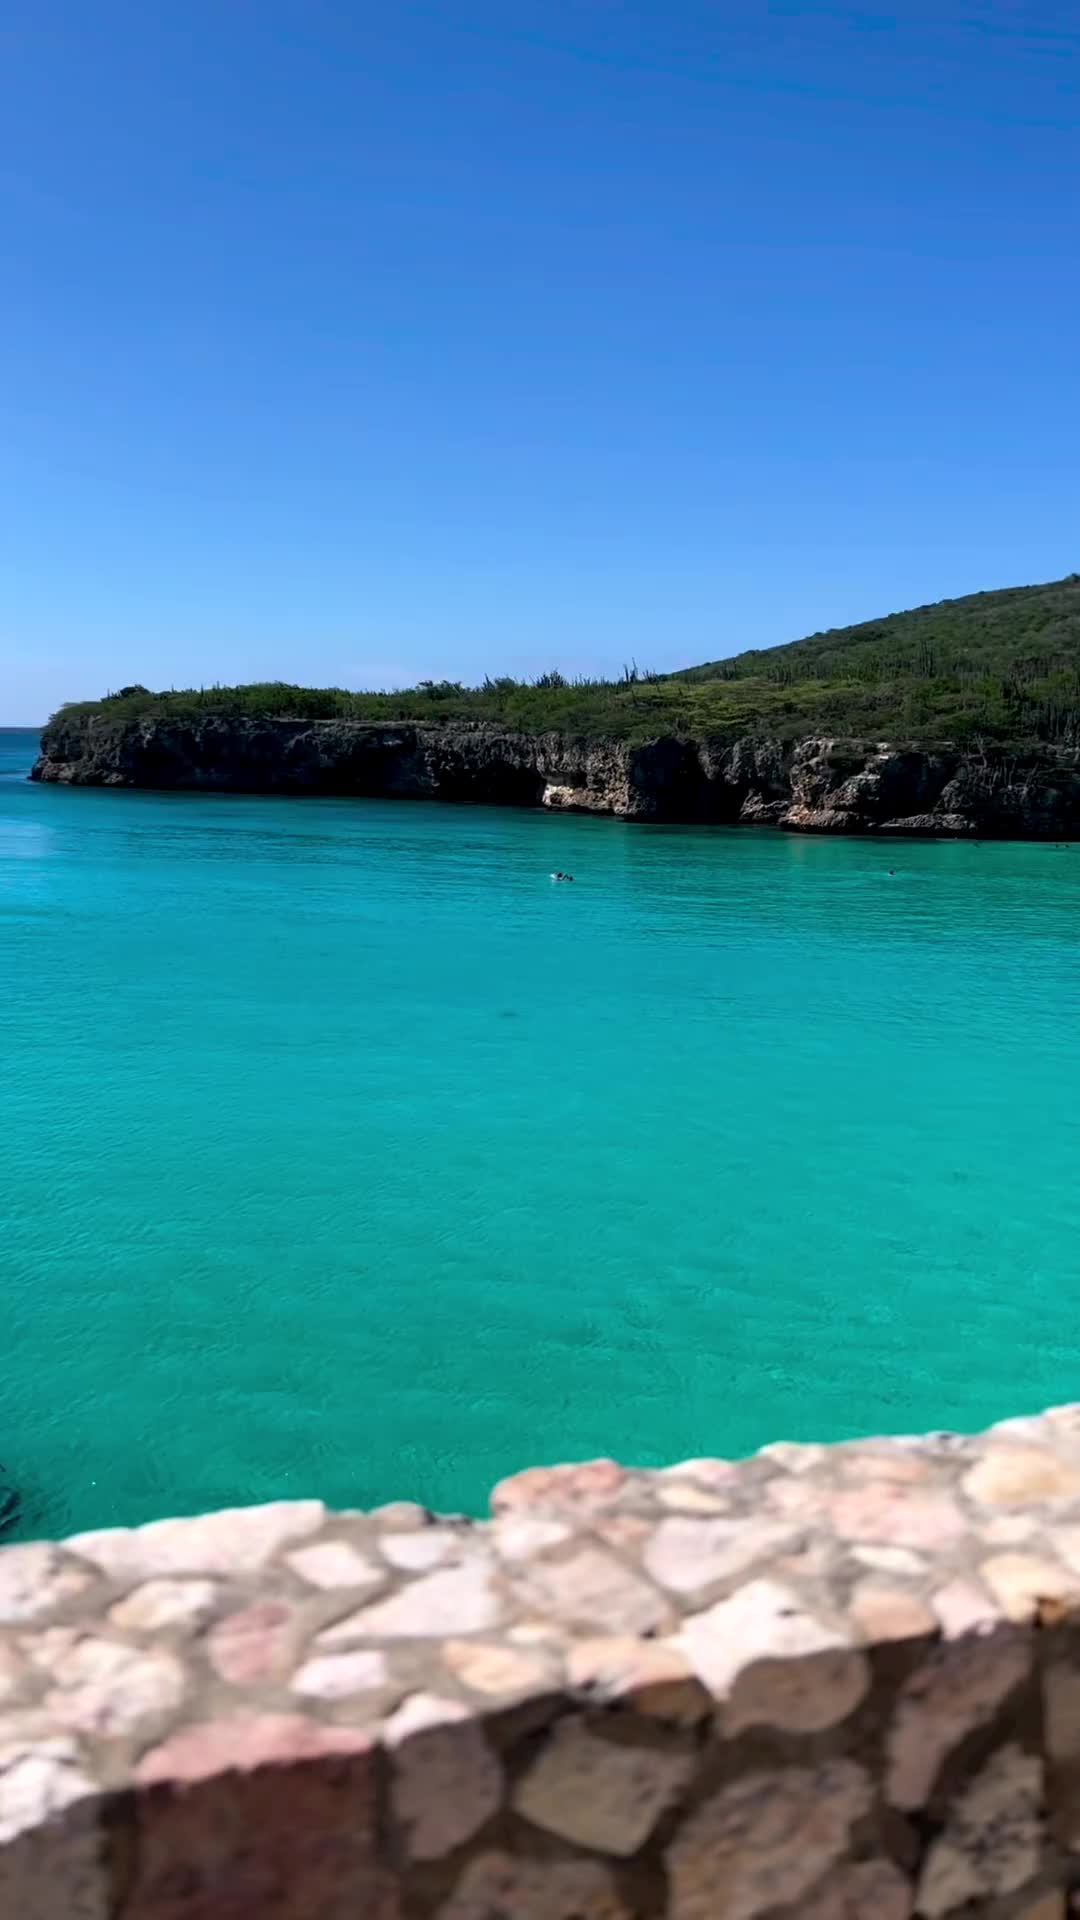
998 666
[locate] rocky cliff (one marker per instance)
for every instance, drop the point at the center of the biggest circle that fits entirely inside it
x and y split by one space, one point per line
813 785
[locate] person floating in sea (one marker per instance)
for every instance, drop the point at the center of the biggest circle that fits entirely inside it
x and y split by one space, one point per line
562 876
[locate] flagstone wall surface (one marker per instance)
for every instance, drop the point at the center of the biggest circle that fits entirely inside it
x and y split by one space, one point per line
822 1682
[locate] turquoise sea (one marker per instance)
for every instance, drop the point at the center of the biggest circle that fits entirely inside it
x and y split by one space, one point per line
343 1153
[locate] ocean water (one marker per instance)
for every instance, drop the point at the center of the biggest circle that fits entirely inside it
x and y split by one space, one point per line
342 1153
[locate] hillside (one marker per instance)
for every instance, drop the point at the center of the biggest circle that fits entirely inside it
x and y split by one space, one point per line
1000 666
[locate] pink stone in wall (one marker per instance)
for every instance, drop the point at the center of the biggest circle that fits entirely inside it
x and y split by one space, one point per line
243 1743
266 1818
898 1516
592 1483
252 1645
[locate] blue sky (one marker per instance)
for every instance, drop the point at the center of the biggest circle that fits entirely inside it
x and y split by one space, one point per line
355 343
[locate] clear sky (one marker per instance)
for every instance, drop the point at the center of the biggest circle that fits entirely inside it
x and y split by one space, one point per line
351 343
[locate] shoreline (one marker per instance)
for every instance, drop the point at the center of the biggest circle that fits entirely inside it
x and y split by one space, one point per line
816 785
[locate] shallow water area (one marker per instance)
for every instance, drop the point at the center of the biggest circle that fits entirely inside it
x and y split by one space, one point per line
344 1153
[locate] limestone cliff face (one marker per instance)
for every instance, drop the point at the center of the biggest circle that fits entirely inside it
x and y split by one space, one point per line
816 785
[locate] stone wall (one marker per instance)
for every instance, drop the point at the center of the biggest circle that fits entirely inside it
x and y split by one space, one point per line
823 1682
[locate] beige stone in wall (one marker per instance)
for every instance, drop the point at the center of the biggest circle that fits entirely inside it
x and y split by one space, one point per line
495 1670
883 1613
794 1456
520 1536
161 1604
772 1663
993 1839
51 1854
423 1550
103 1687
958 1688
895 1560
593 1590
1045 1906
683 1496
964 1607
400 1516
498 1886
452 1601
446 1780
586 1684
897 1516
688 1555
765 1841
240 1540
330 1564
1021 1581
652 1674
603 1793
871 1890
57 1871
34 1578
10 1672
1009 1529
1011 1476
338 1676
1061 1711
